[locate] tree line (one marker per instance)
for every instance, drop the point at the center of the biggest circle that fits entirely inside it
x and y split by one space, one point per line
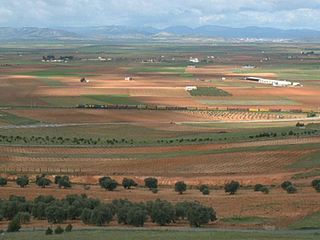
92 211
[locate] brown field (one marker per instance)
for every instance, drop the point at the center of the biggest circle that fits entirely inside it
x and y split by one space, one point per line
33 93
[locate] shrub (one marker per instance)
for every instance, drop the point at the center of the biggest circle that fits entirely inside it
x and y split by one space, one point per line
264 190
127 183
14 225
68 228
291 189
317 187
86 215
257 187
151 183
58 230
55 214
63 181
286 184
137 216
311 114
232 187
199 214
101 215
162 212
315 182
42 181
109 184
49 231
22 181
3 181
23 217
180 187
204 189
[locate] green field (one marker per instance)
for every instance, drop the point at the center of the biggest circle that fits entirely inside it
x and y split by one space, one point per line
8 118
89 99
163 235
310 222
208 91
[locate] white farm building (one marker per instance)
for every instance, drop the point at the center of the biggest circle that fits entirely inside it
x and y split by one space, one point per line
190 88
275 83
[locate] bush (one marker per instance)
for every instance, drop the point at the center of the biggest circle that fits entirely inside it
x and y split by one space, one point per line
127 183
23 217
49 231
232 187
22 181
286 184
42 181
162 212
264 190
204 189
311 114
14 225
101 215
199 214
109 184
63 181
68 228
137 216
151 183
317 187
55 214
58 230
180 187
291 189
3 181
257 187
315 182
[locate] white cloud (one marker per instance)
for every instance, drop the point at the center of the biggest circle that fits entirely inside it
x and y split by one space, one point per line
161 13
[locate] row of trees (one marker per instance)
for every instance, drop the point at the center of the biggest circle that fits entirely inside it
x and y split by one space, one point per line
41 181
284 134
151 183
47 140
94 212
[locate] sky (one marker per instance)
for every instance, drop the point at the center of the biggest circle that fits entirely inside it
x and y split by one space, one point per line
286 14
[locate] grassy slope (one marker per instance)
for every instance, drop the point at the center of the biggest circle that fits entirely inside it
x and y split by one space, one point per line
162 235
310 222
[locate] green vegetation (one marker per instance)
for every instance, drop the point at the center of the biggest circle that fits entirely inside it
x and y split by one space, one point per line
3 181
113 99
311 160
309 222
289 187
51 82
22 181
108 183
180 187
231 187
59 72
128 183
13 119
151 183
73 101
204 189
93 212
208 91
245 220
134 234
62 181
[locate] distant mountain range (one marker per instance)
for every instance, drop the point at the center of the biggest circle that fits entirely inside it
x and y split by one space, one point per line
103 32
